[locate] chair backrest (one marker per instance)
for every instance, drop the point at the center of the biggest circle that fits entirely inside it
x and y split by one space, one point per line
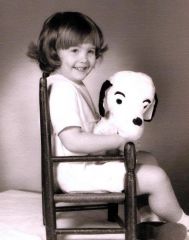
44 118
46 149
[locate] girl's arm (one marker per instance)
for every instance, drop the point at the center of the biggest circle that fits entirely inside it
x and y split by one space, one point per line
82 142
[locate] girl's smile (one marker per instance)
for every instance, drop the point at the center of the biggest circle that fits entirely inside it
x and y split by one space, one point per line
77 61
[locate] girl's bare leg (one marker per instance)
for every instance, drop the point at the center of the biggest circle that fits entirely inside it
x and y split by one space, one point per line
152 180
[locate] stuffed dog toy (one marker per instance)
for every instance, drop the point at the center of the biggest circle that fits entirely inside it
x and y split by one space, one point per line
126 100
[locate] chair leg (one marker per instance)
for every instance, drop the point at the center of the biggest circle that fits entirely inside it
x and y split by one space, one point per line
50 234
50 219
112 212
50 228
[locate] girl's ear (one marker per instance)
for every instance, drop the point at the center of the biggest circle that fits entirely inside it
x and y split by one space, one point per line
149 114
103 89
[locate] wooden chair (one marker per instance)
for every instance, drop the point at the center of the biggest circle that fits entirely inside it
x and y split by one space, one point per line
50 197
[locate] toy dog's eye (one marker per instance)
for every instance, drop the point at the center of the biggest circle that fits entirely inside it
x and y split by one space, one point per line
118 101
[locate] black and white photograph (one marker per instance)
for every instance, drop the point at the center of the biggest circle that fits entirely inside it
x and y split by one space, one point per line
94 120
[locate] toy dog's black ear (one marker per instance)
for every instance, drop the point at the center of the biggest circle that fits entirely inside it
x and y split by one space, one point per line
149 114
103 89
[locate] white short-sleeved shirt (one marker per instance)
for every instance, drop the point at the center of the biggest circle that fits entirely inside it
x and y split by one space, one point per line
71 105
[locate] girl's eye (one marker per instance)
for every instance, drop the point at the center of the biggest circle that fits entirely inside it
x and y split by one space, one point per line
74 50
91 51
118 101
145 106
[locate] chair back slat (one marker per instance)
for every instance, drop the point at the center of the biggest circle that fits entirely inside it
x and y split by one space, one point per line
45 119
46 161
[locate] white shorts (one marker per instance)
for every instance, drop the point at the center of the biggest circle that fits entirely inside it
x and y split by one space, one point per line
86 177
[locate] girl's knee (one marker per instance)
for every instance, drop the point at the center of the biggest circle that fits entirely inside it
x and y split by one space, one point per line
150 176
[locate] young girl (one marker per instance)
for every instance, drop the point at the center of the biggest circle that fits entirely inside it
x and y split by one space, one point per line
68 48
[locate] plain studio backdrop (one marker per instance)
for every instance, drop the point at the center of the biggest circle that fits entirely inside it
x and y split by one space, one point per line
148 36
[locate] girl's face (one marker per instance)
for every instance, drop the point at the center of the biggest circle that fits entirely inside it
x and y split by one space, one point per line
77 61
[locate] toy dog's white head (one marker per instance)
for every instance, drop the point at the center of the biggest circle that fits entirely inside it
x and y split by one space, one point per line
128 98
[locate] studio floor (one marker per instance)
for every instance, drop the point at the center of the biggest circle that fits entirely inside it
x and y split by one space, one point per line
21 218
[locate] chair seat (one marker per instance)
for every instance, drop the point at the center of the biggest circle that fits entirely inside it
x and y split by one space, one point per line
90 197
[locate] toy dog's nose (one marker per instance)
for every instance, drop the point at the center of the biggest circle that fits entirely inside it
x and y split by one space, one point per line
137 121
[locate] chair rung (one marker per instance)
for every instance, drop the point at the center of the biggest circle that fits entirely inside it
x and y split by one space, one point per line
81 207
89 231
92 158
90 197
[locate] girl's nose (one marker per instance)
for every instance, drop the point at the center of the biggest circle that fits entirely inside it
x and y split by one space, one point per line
83 57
